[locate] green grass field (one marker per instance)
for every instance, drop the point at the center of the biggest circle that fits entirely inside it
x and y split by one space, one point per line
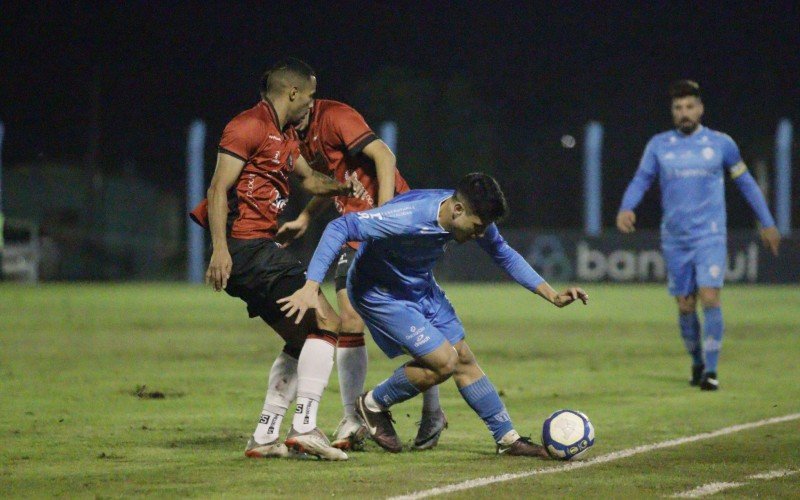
72 358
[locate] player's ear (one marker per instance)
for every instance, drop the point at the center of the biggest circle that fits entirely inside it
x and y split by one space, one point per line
293 91
458 209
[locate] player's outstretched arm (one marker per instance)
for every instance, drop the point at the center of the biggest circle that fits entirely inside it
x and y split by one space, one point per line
564 298
322 185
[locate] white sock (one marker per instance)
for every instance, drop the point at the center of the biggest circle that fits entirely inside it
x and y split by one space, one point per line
351 363
305 416
430 400
281 391
509 438
313 370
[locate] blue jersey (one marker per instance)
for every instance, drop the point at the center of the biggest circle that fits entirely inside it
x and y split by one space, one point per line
402 241
690 170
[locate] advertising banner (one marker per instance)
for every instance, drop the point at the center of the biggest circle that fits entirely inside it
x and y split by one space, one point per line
562 256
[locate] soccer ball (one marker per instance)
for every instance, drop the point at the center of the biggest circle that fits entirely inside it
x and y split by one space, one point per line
567 434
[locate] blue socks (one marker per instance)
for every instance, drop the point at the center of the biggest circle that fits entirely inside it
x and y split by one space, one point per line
482 397
394 389
690 331
713 337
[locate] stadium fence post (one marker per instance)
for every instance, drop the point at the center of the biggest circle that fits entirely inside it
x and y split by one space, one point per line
195 178
592 172
783 176
389 135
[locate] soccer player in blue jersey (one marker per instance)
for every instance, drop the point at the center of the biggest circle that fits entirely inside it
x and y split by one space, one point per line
690 163
392 287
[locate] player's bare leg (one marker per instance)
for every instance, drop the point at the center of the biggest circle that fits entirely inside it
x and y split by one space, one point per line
313 371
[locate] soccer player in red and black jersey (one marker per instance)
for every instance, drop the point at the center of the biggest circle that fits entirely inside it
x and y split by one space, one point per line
337 141
249 189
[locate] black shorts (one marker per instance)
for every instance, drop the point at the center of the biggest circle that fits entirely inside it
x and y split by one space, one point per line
262 273
346 257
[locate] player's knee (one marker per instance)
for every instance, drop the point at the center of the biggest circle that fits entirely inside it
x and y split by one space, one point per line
687 305
712 301
447 367
351 322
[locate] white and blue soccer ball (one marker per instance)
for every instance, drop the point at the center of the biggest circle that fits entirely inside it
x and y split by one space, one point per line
567 434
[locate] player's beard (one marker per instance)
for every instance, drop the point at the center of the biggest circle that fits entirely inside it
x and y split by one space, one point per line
687 126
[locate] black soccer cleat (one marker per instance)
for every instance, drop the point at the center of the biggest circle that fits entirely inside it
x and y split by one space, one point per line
709 382
430 428
379 426
523 447
697 374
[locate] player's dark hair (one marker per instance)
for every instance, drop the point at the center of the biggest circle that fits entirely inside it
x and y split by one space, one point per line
483 196
684 88
290 66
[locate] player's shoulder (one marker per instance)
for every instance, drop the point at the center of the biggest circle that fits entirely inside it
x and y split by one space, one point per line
719 136
259 116
328 108
418 199
664 137
423 194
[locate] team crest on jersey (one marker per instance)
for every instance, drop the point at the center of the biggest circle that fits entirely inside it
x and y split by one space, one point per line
708 153
277 202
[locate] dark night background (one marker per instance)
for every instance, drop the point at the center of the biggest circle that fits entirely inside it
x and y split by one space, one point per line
487 86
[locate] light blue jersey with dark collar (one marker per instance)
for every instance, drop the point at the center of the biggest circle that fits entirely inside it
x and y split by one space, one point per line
690 170
402 241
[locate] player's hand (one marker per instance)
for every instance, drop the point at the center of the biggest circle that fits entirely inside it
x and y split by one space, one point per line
771 238
301 301
291 231
569 296
356 189
626 220
219 269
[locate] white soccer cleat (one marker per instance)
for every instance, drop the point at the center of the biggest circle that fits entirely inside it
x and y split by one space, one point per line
351 434
275 449
314 443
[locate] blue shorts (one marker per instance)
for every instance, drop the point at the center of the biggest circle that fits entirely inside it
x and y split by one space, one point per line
690 267
401 326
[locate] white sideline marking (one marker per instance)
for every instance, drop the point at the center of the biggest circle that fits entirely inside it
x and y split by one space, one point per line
774 474
609 457
711 488
707 489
